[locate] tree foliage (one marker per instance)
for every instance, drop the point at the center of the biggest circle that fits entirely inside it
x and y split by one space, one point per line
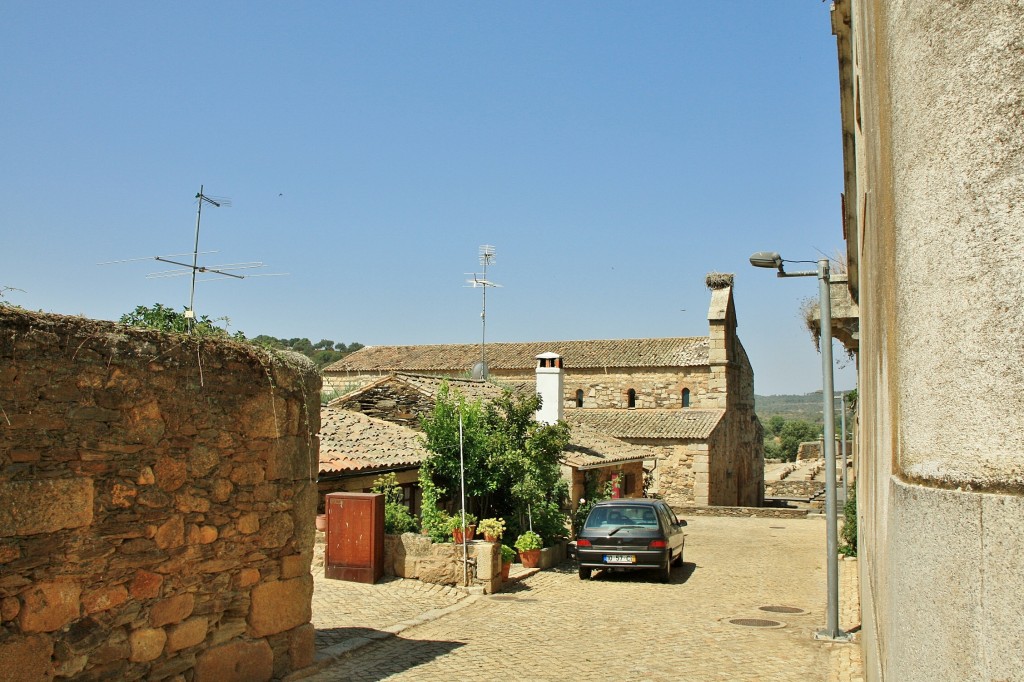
783 437
511 462
322 353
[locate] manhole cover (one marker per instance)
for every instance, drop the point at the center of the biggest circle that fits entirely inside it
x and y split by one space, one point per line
756 622
782 609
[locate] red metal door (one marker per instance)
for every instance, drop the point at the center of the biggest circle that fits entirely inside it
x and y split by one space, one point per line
355 537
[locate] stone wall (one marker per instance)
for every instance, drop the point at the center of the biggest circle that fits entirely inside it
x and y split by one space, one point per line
654 389
156 504
416 557
675 473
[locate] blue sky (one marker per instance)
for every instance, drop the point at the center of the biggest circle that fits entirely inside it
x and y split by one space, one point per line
613 153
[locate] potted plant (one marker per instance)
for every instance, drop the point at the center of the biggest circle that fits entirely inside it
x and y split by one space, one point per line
492 529
508 555
529 545
457 529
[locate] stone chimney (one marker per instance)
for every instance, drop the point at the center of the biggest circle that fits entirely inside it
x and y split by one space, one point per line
550 384
721 339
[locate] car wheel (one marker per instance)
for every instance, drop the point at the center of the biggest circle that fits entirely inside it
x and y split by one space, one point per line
666 573
585 573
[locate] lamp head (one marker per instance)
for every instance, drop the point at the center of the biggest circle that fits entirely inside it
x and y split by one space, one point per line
766 259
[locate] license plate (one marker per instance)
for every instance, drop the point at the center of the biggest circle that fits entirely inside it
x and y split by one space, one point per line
619 559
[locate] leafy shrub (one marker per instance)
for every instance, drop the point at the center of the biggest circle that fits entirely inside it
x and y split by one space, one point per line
529 540
508 555
397 519
848 536
495 527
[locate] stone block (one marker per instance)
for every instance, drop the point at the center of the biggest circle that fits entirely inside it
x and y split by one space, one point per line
171 533
295 565
189 502
247 577
202 460
146 644
302 646
202 535
45 506
248 524
26 658
146 585
236 662
172 610
104 598
122 495
280 605
191 632
276 531
247 474
170 473
9 608
47 607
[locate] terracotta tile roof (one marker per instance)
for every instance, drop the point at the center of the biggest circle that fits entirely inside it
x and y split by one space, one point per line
350 441
690 351
591 448
678 423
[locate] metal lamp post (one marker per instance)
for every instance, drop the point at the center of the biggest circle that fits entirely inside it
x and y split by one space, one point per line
768 259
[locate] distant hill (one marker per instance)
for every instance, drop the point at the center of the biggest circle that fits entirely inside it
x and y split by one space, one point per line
806 407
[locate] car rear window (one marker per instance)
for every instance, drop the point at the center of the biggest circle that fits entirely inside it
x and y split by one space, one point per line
622 515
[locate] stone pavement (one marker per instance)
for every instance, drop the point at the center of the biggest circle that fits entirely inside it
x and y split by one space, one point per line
745 606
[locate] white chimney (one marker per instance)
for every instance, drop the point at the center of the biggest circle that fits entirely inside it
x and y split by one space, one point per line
549 387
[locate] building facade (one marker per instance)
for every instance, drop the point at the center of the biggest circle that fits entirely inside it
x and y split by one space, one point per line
933 138
689 399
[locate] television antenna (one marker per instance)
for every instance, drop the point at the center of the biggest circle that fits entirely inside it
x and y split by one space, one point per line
225 271
487 256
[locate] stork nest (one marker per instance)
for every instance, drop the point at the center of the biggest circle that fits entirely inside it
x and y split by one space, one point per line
719 280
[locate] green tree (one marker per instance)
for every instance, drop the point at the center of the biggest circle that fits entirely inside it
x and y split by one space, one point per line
511 462
794 432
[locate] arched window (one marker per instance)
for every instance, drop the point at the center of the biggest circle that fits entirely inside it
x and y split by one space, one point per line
579 397
631 398
686 397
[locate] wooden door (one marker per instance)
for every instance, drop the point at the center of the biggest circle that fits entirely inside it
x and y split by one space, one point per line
355 537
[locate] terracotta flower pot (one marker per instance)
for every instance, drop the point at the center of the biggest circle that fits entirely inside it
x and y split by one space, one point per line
321 522
529 557
505 568
491 538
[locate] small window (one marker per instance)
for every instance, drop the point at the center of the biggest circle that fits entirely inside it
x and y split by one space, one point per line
686 397
631 398
579 397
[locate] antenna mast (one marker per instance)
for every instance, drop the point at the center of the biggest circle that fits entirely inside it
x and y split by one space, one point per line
190 314
487 256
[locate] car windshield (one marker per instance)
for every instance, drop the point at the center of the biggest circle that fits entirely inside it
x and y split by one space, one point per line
620 516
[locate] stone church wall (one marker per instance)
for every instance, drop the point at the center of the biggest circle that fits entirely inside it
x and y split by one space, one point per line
156 504
654 389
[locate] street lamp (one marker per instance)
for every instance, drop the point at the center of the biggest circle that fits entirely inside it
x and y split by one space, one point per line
770 259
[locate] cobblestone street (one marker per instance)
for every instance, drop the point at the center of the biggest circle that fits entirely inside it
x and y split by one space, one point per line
551 625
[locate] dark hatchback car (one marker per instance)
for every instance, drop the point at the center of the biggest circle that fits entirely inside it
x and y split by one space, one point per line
630 534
